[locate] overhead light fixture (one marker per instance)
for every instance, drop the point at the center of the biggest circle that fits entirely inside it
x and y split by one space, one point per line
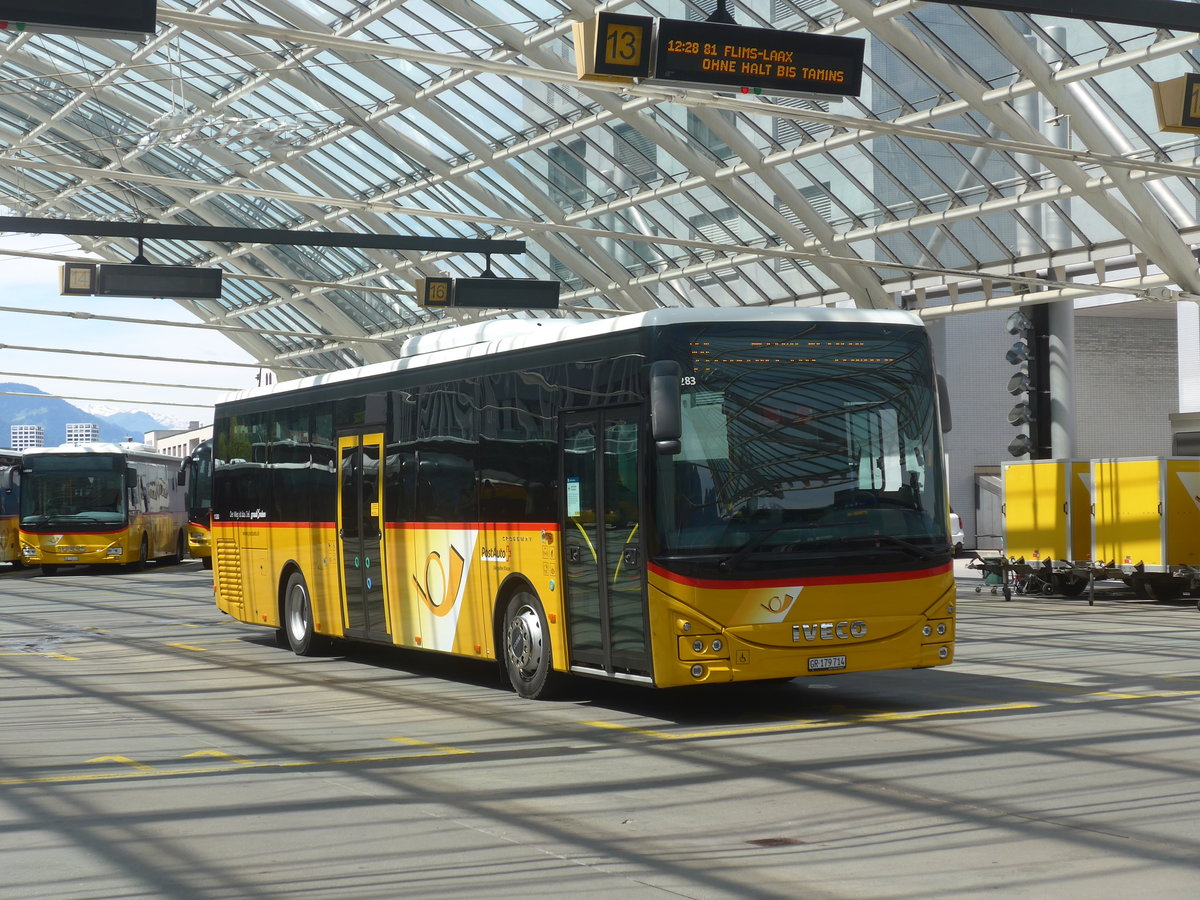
1017 323
1020 445
1021 414
1018 384
1017 353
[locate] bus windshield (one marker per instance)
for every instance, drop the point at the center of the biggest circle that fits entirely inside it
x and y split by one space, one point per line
199 483
73 493
818 444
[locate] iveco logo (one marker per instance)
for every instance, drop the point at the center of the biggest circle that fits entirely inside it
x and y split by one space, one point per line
830 631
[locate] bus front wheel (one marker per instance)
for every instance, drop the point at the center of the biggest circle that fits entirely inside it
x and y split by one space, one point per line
526 643
298 617
143 556
180 551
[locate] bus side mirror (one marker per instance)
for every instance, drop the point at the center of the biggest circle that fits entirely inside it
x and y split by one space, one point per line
943 392
181 478
131 479
8 479
666 406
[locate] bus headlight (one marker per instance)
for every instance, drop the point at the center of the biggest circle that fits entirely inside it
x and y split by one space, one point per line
114 551
29 551
717 645
697 671
943 652
927 631
698 646
941 629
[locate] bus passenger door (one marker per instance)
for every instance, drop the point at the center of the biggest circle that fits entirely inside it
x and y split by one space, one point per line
360 534
604 565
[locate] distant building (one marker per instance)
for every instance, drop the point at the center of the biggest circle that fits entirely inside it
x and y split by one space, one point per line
83 432
22 437
178 443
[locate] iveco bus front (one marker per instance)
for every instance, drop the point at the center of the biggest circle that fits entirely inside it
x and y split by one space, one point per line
97 504
800 525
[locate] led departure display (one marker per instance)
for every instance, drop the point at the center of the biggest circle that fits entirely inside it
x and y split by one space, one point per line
774 61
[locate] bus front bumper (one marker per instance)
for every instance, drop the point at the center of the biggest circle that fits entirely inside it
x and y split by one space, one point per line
70 553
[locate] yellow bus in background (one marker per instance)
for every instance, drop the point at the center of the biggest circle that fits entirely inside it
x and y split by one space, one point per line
676 497
100 504
196 477
10 498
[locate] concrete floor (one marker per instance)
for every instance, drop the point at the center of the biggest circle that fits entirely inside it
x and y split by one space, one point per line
154 748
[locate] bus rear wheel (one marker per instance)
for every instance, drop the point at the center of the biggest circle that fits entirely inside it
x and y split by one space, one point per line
526 643
298 623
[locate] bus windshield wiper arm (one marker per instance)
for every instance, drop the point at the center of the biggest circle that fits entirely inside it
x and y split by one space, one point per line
907 546
755 542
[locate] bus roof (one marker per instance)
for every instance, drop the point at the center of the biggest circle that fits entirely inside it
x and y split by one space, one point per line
140 451
482 339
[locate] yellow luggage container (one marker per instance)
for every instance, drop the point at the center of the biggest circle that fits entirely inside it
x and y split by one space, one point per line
1147 513
1047 510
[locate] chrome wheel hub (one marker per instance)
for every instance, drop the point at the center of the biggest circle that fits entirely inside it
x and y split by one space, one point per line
526 644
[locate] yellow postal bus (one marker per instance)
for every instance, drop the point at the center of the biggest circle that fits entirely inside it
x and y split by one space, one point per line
100 504
10 498
197 480
675 497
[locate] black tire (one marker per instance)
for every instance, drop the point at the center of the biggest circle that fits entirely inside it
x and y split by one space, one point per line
180 550
206 562
143 556
525 648
297 622
49 570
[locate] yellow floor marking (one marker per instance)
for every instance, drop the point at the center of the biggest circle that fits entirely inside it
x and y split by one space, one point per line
235 763
189 647
220 754
868 718
43 653
803 725
1116 695
125 761
413 742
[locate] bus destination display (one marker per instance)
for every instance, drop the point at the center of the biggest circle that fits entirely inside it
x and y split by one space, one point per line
706 54
709 53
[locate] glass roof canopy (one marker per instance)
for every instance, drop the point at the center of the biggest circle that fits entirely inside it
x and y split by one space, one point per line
990 157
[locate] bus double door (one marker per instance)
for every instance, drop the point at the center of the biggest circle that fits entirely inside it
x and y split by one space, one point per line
360 534
604 565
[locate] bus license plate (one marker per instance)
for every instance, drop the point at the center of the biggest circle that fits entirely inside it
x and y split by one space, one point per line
823 663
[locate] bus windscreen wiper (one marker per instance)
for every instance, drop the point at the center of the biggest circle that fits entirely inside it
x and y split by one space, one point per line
757 541
907 546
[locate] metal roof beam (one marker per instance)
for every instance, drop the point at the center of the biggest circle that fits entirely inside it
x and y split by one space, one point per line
231 235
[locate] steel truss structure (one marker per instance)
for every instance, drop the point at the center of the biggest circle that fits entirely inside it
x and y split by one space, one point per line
992 158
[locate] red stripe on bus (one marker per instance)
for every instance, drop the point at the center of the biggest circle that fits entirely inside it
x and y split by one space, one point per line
474 526
244 524
870 578
81 533
415 526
